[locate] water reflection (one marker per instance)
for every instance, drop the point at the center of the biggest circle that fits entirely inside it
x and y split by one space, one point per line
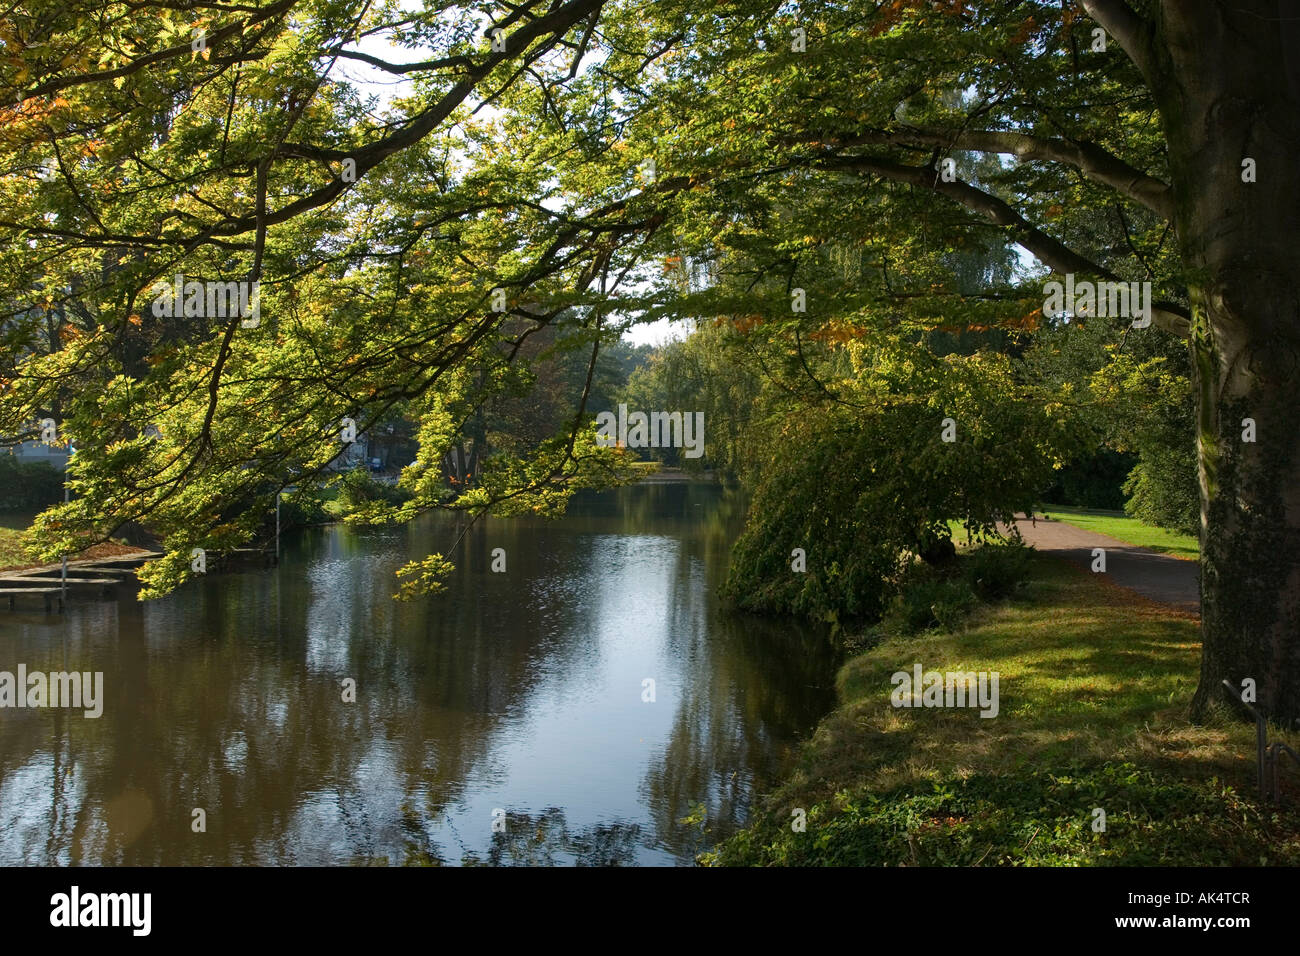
514 698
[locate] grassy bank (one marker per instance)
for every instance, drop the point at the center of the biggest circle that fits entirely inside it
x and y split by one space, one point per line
1093 695
14 558
1123 528
12 554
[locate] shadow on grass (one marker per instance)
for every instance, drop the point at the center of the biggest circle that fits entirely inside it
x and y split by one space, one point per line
1094 687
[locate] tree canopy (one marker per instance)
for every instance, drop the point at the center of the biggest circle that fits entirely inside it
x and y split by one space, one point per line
843 183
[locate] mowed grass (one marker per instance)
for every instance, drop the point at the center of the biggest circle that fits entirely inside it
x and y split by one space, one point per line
1131 530
1094 690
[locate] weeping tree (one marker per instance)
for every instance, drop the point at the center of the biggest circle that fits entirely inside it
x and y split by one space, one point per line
1136 142
855 488
820 162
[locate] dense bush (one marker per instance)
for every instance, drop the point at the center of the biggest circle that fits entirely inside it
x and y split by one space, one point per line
995 571
28 485
926 599
1163 489
862 489
300 510
359 488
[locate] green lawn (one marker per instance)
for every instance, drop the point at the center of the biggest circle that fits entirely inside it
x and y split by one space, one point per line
332 503
1093 690
1130 530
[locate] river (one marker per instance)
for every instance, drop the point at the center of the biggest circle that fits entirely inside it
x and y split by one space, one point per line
506 720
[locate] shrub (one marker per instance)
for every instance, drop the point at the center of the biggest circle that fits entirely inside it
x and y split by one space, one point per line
28 485
301 510
1163 490
994 571
358 488
926 599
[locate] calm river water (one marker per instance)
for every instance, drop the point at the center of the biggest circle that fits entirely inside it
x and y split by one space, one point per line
501 721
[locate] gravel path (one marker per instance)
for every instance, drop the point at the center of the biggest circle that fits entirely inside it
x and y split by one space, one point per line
1156 576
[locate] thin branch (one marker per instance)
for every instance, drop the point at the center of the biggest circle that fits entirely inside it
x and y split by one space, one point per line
1090 159
1050 250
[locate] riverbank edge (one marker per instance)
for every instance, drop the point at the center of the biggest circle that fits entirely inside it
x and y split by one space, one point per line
11 546
1090 761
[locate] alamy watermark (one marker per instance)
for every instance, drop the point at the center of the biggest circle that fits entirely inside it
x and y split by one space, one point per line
655 430
950 689
213 300
75 689
75 908
1125 300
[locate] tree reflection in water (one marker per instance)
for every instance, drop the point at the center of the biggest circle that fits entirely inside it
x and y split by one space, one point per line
518 691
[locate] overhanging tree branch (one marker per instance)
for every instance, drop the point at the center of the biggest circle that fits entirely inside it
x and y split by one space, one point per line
1090 159
1135 35
555 23
402 69
213 40
1047 248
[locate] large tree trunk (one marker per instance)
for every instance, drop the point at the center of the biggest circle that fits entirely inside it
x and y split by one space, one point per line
1226 80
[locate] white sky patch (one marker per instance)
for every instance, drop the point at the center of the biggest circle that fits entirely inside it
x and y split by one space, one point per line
659 332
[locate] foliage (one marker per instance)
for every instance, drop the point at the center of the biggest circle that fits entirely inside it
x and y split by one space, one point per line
1093 481
996 571
1162 488
1136 395
425 576
232 161
300 510
358 488
928 598
861 483
709 371
28 485
943 597
384 234
12 552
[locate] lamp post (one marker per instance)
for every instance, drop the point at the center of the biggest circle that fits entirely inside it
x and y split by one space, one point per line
63 595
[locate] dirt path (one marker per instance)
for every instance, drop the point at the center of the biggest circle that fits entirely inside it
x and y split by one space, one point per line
1156 576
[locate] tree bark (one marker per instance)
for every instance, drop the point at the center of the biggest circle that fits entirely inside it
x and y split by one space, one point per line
1225 79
